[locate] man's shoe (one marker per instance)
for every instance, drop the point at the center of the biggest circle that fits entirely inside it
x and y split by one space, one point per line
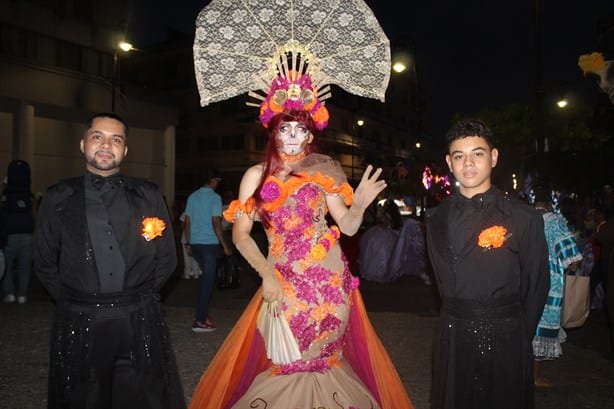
21 299
206 326
9 298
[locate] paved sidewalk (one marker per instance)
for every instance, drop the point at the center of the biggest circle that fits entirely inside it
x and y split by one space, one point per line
403 314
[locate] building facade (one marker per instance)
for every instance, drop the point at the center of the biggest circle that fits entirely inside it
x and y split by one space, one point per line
57 67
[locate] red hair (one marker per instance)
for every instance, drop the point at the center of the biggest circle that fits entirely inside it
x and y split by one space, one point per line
272 161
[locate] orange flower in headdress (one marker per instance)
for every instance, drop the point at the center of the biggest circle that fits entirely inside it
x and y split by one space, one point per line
591 63
152 228
493 237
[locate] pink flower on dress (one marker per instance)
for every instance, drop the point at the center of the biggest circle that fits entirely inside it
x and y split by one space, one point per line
332 294
330 323
270 192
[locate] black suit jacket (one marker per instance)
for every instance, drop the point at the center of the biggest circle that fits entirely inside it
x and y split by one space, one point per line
63 254
518 270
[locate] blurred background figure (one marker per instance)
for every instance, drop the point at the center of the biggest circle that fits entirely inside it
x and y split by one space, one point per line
190 266
563 254
394 247
409 254
378 242
17 219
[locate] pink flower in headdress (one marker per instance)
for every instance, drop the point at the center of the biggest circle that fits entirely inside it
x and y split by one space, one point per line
298 94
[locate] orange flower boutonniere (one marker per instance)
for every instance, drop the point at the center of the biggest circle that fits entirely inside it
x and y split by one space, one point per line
152 228
493 237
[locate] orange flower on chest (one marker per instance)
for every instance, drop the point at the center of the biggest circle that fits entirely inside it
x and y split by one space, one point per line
493 237
152 228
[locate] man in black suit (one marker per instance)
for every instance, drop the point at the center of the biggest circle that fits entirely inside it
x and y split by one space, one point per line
104 247
490 259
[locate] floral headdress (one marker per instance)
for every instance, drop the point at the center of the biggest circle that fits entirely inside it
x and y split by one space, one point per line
296 86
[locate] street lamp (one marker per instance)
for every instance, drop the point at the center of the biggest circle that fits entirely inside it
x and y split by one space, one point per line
402 61
399 66
125 47
359 123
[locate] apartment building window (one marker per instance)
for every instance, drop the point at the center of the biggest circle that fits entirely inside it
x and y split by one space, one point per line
207 143
83 9
47 50
18 42
261 141
91 61
233 142
182 144
69 56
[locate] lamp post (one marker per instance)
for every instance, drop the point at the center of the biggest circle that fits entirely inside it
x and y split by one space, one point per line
125 47
404 61
356 135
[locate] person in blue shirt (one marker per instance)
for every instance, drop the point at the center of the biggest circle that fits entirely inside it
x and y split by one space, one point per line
204 235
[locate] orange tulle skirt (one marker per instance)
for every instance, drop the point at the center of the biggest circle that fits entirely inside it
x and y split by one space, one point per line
242 357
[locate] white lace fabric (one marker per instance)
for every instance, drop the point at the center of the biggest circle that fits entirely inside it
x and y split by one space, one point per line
236 42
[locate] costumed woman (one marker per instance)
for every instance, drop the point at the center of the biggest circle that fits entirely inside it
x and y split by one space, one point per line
305 279
304 341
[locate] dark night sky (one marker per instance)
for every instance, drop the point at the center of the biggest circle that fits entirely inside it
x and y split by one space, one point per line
470 54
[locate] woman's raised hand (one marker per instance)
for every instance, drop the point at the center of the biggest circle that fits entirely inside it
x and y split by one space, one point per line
368 188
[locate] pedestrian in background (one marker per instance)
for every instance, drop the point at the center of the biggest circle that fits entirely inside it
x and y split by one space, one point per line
204 235
563 253
104 248
490 260
377 244
17 212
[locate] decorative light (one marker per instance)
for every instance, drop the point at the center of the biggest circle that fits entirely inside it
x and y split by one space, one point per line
360 122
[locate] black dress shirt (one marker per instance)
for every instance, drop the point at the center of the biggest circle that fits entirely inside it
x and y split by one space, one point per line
100 196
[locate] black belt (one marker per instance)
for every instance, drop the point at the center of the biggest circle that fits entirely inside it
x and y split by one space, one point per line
125 301
468 309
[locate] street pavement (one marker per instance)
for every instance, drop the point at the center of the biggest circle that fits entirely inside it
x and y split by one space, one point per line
404 314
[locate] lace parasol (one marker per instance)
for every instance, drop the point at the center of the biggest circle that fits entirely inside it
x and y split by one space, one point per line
239 44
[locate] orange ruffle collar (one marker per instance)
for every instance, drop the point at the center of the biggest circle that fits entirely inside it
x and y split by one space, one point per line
286 188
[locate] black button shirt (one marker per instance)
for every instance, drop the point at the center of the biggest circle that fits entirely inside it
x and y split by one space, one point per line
101 195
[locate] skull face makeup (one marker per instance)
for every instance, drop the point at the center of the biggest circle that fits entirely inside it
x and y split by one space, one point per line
293 137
